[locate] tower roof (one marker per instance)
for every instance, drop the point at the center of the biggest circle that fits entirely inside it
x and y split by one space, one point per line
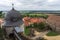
13 13
13 17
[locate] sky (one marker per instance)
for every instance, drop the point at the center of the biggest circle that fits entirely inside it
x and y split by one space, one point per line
30 4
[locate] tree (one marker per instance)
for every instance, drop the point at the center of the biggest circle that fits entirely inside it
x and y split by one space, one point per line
0 14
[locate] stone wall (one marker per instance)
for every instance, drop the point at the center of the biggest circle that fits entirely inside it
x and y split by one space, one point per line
9 30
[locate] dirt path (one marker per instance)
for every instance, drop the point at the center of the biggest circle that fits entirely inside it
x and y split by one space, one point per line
43 34
40 34
52 37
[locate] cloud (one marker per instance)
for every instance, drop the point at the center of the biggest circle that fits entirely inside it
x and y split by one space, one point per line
30 4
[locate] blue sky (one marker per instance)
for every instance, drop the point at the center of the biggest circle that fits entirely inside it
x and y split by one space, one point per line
30 4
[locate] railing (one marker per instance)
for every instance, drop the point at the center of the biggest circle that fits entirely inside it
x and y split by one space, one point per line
17 36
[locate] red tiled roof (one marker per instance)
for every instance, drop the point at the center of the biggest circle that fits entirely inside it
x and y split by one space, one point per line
1 21
28 20
55 20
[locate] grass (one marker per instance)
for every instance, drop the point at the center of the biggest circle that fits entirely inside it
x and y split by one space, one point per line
27 31
51 33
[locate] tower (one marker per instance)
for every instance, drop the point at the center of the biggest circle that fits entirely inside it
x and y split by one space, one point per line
12 19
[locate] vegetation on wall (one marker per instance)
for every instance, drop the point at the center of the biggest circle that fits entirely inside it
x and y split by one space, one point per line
40 26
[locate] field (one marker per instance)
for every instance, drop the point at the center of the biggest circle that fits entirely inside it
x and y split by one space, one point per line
36 15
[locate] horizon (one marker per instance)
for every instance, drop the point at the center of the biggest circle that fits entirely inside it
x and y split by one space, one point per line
31 10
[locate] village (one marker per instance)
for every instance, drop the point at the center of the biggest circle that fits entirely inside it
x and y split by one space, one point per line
37 26
29 19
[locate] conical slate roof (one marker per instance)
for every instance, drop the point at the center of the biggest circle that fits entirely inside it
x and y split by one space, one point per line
13 18
13 13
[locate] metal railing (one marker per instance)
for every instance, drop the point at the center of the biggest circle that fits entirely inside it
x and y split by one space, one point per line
17 36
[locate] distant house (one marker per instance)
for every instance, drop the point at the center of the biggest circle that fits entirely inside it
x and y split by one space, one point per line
54 22
1 21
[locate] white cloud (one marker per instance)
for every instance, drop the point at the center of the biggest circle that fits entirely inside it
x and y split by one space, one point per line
51 0
30 4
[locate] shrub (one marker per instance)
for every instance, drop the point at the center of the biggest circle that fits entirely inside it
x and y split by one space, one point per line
51 33
41 25
37 25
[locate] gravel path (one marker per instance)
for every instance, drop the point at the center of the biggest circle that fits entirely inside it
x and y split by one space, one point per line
40 35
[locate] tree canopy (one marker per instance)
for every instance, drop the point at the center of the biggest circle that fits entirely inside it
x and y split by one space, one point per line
0 14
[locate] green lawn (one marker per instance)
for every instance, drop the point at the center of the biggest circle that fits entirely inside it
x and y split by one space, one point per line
27 31
51 33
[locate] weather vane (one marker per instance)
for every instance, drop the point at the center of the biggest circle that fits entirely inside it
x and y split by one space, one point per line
12 6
